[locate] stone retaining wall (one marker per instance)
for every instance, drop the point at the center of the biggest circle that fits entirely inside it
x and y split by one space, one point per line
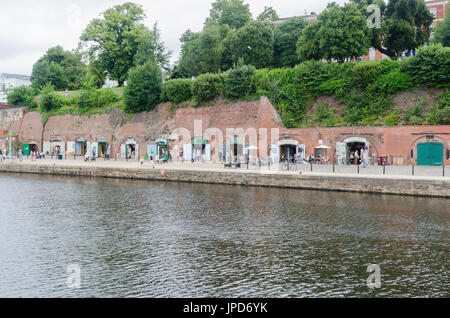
419 186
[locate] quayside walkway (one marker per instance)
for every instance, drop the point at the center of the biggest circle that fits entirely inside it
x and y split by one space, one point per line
381 180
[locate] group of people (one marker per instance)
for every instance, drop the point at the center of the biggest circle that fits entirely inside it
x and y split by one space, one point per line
360 157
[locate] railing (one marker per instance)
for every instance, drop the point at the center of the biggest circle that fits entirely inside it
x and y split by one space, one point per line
284 167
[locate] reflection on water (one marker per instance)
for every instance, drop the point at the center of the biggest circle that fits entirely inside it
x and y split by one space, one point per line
147 239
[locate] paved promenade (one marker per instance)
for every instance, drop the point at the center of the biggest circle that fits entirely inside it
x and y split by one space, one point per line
388 172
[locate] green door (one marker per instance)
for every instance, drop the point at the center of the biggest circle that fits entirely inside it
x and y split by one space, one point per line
26 150
430 154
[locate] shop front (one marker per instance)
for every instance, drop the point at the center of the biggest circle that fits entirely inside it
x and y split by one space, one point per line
288 150
129 150
198 150
351 151
81 147
102 145
55 147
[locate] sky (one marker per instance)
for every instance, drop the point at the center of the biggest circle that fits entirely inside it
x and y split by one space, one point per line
29 27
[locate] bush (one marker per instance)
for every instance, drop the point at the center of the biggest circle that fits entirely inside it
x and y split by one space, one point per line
22 96
440 114
178 90
393 82
241 82
389 65
95 98
144 88
366 73
431 66
355 109
391 120
51 102
208 86
325 116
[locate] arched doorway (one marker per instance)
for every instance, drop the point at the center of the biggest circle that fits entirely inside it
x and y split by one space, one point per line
129 150
287 150
351 151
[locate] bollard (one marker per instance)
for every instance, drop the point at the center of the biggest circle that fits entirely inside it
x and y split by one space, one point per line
269 165
358 169
311 167
443 169
334 168
288 166
413 170
384 169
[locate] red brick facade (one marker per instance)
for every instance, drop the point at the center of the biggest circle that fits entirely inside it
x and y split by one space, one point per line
397 143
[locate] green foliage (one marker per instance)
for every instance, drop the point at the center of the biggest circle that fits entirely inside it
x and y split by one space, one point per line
90 98
366 73
286 37
232 13
355 109
119 40
405 26
442 34
440 114
62 69
50 102
431 66
391 120
389 65
208 86
23 96
341 33
178 90
144 88
414 116
269 14
325 116
240 82
393 82
253 43
152 48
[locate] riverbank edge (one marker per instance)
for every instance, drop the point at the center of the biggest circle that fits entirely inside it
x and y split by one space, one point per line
420 187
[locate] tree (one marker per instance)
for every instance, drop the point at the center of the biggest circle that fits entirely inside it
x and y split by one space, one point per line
233 13
61 68
143 90
308 45
405 25
188 65
22 95
442 34
286 37
210 49
341 33
152 48
269 15
115 39
253 43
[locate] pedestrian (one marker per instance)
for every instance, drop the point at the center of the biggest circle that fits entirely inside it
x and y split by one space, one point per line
108 153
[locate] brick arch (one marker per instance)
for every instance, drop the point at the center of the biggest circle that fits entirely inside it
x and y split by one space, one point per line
373 142
123 140
423 138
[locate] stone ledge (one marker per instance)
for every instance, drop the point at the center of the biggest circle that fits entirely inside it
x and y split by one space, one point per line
401 186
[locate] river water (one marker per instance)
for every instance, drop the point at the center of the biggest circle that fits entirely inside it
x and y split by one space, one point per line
147 239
